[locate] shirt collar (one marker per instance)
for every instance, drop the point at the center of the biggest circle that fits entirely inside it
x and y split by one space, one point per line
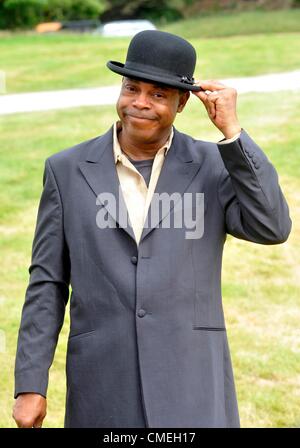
116 145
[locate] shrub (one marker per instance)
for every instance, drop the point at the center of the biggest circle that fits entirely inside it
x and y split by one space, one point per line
28 13
21 13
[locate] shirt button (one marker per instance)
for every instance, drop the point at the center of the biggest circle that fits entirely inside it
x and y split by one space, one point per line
134 260
141 313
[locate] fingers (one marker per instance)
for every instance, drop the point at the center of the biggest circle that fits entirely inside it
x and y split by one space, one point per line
211 85
38 423
211 107
209 100
208 88
26 421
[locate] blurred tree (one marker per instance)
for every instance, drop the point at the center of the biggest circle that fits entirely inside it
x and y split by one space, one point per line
21 13
27 13
163 10
59 10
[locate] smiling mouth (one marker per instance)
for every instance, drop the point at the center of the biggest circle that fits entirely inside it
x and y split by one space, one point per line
139 117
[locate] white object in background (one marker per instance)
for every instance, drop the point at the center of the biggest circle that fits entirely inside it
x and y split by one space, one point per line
124 28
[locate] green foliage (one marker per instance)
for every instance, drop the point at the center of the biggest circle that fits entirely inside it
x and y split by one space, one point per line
21 13
59 10
159 10
28 13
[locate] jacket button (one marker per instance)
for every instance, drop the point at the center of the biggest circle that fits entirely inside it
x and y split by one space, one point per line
141 313
134 260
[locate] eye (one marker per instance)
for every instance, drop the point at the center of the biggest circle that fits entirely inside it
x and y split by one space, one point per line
129 88
158 95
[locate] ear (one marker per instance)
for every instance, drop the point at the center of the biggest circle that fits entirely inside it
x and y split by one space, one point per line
183 98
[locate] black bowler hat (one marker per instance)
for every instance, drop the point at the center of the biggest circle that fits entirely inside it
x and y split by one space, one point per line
160 57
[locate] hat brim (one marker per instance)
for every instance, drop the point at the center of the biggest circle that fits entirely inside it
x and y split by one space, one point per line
120 69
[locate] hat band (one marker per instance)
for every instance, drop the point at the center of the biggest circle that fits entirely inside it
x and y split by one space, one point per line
148 69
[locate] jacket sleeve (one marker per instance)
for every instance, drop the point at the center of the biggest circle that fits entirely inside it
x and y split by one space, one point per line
254 206
46 295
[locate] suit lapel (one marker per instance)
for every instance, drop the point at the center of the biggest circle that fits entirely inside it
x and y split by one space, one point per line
100 172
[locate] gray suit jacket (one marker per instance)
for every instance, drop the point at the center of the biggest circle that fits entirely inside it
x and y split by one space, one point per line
147 343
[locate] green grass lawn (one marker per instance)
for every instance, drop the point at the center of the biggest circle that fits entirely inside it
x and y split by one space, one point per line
261 287
230 23
260 283
240 44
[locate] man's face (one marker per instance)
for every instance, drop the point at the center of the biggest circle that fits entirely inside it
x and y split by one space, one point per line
148 110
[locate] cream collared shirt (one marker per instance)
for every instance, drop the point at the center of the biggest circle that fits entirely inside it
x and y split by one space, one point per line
137 195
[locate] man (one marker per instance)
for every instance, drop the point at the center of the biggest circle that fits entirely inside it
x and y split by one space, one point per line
147 344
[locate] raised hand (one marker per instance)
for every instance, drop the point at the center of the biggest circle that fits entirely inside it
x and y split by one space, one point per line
220 103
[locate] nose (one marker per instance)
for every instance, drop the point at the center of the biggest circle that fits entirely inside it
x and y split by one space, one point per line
141 101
